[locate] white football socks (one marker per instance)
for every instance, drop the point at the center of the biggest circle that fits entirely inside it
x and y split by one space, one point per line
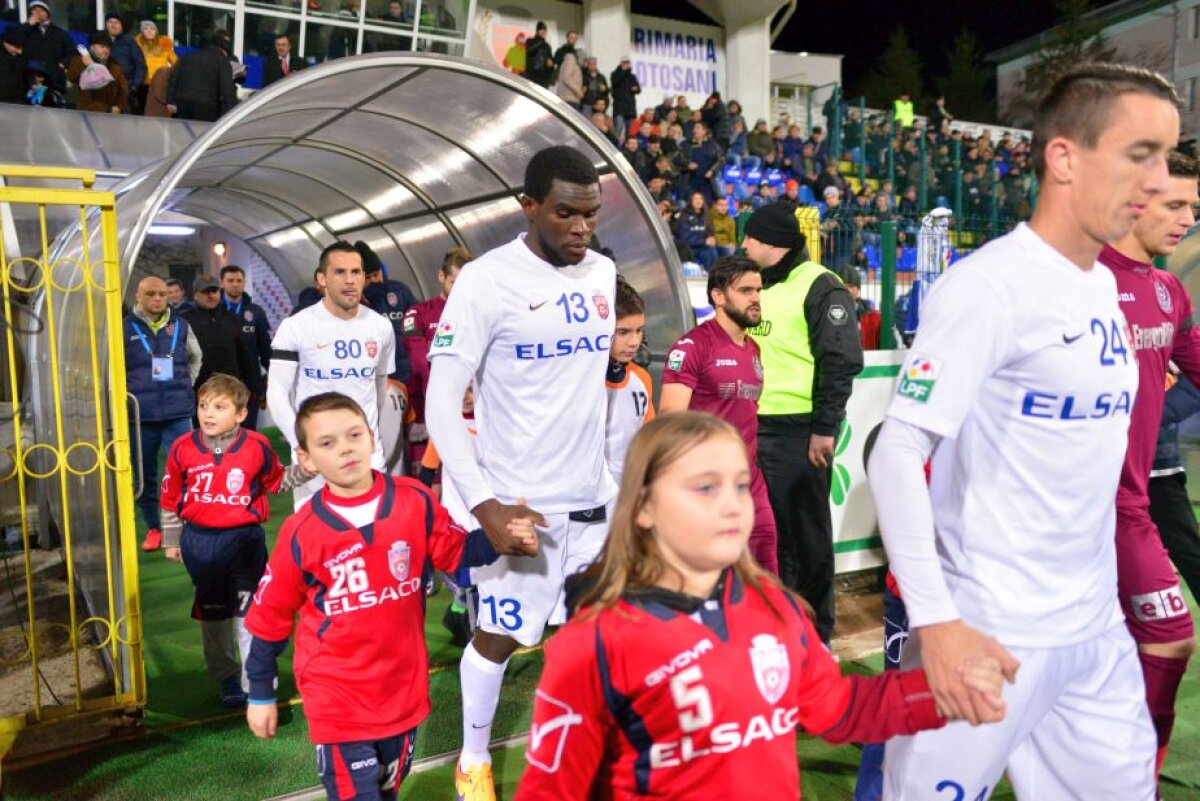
481 680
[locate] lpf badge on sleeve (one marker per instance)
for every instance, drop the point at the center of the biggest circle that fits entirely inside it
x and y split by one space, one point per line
400 560
769 658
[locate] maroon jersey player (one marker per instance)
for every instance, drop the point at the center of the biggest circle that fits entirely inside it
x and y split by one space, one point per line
687 670
716 368
1159 314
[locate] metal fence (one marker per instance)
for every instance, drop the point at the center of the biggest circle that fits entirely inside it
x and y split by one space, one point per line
70 622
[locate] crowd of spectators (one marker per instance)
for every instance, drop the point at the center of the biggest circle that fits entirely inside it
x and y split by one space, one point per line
705 166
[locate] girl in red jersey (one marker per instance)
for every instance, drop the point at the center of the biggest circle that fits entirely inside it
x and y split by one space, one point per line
688 669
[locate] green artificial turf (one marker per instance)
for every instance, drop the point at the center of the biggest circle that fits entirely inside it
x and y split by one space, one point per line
191 749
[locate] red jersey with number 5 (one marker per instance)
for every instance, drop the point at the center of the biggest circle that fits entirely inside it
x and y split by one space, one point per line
644 700
222 489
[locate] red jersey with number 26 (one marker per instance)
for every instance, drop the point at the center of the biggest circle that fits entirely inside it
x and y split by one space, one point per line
223 489
360 662
643 700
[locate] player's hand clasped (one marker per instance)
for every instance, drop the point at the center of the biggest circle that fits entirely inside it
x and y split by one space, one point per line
964 668
509 527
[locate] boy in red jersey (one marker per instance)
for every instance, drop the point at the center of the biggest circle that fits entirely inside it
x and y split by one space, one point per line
688 668
716 368
349 562
214 502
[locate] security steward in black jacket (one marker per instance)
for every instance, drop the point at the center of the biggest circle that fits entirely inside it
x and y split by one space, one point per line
811 352
219 333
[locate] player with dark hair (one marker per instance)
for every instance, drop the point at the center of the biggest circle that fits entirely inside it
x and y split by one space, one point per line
390 298
630 388
688 669
716 368
349 563
256 334
337 343
1159 313
419 326
531 323
1020 383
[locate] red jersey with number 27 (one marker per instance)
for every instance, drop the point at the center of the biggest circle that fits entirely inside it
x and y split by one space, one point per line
643 701
360 662
222 489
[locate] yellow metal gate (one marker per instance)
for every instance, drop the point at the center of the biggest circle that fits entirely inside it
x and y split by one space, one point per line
70 618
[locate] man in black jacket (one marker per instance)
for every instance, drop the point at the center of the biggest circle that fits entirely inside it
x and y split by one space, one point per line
219 334
128 55
12 66
283 64
625 89
256 335
49 45
201 84
539 61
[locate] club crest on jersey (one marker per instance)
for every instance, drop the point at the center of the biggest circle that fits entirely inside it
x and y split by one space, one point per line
601 303
392 300
917 380
769 658
548 737
399 560
675 359
248 315
372 347
443 336
1164 297
235 479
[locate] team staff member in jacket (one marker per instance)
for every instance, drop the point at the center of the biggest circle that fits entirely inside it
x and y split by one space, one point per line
390 298
201 83
162 359
219 334
810 353
256 335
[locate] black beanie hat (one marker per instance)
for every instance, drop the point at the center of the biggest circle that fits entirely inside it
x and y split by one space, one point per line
775 224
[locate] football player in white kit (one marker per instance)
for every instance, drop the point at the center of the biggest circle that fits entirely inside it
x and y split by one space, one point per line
337 345
1020 384
531 323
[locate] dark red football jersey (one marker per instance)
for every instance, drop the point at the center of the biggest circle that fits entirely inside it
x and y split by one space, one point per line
643 700
221 489
420 322
726 379
360 662
1159 313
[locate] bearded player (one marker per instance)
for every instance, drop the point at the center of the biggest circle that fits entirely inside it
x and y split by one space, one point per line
1159 313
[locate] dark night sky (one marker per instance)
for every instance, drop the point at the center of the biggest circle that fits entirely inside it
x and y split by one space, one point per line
859 29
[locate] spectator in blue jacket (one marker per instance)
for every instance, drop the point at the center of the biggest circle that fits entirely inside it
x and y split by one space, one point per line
162 359
704 164
129 57
694 231
256 334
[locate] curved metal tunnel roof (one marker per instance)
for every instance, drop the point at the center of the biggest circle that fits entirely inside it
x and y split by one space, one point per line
412 153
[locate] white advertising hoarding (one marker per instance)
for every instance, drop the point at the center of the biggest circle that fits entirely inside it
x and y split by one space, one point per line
676 58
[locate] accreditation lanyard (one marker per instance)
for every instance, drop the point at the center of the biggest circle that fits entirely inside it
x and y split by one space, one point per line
162 368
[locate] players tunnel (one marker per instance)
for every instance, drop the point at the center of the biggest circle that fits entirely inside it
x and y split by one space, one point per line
411 153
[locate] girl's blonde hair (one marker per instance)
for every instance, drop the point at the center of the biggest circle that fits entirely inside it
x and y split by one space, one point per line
631 558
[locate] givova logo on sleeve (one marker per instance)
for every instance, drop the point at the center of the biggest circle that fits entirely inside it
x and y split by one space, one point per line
918 378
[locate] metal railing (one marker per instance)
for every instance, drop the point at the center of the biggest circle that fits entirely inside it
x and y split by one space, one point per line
76 615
